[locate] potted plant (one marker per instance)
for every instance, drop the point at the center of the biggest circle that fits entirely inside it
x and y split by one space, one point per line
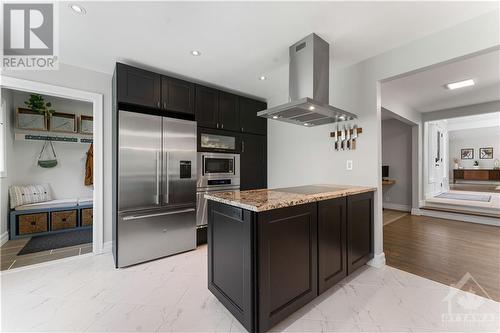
37 103
455 161
476 165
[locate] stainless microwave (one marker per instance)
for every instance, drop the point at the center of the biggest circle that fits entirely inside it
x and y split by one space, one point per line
218 169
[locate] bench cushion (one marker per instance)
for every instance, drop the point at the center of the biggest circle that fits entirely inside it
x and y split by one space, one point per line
61 203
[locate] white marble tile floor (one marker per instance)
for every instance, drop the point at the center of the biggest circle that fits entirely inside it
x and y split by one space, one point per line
170 295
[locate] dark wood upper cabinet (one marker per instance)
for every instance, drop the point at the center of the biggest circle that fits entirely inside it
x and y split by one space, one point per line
332 242
249 121
207 107
137 86
229 115
359 230
287 254
253 162
177 95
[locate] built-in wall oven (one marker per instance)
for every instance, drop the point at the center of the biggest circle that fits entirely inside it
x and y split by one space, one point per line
216 172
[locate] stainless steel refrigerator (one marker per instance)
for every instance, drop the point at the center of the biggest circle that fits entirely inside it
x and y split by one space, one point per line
156 187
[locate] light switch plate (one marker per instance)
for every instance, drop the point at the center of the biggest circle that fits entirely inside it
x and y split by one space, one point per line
349 165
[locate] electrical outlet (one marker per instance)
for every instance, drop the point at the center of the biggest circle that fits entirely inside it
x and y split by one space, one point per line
349 165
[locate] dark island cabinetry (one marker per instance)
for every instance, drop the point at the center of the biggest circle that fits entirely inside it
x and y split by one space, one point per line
332 242
265 265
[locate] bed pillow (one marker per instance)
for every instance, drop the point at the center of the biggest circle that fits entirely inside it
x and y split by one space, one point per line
28 194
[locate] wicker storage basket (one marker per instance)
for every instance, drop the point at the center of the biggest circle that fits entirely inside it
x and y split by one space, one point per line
87 217
63 219
32 223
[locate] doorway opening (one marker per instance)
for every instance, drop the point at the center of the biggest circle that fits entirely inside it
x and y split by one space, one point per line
51 173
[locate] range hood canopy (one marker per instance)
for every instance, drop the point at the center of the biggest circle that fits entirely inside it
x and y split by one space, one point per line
309 70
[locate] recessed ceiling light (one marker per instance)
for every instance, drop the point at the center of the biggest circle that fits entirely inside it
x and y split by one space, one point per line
78 9
195 53
460 84
311 107
342 117
275 117
306 124
262 78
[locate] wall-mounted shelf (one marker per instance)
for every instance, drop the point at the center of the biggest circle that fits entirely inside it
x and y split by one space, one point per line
388 182
351 131
69 138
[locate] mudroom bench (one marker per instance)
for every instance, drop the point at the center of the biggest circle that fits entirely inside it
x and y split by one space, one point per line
50 218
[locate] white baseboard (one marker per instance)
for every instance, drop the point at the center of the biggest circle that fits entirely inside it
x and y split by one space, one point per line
416 211
461 217
107 247
378 260
394 206
4 238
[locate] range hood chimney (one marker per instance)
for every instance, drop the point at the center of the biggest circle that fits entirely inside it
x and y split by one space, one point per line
309 72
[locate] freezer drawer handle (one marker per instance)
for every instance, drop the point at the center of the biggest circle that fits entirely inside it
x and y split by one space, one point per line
136 217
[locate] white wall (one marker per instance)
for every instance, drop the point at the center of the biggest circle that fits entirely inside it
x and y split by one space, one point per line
474 138
87 80
298 155
397 154
6 104
66 180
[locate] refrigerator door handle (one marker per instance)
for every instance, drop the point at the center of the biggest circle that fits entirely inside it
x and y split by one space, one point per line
137 217
166 194
158 171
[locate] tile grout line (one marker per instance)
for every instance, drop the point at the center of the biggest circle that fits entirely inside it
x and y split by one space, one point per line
12 264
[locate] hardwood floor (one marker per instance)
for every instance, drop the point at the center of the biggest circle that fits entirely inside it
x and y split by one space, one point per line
393 215
445 251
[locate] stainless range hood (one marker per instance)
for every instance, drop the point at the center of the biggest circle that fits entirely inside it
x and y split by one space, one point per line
308 87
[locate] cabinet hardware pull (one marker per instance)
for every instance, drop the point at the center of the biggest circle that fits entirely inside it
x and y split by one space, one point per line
221 125
165 105
242 146
158 104
217 125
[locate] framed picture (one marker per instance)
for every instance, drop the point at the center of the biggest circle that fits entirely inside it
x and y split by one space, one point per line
486 153
467 154
63 122
27 119
86 124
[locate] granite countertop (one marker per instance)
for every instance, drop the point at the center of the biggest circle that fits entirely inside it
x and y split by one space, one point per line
267 199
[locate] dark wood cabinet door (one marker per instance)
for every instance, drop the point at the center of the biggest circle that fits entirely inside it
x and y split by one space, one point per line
177 95
137 86
332 242
229 115
359 230
207 107
230 260
494 174
287 252
253 162
249 121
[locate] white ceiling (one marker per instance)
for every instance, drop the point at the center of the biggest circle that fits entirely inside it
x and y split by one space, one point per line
424 91
240 41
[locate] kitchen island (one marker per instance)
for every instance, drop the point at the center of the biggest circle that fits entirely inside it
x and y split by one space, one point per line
270 252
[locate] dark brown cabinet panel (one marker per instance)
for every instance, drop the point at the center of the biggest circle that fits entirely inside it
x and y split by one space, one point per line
230 258
253 162
177 95
332 242
138 87
207 107
229 115
249 121
287 252
359 230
